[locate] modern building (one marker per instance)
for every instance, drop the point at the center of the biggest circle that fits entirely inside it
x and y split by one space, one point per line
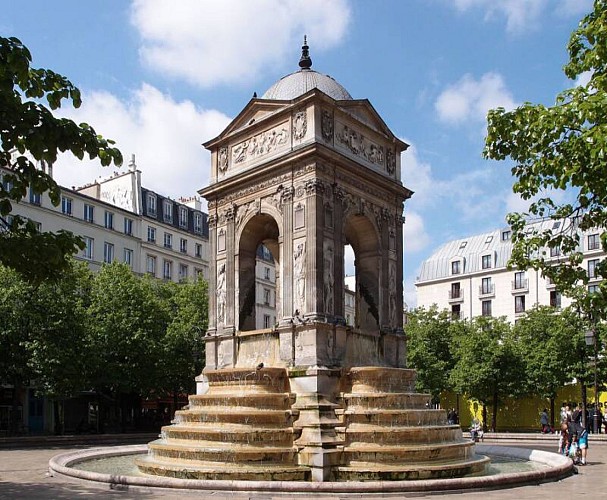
470 277
120 220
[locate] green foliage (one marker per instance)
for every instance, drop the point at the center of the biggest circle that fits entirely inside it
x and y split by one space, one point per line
547 344
29 133
183 344
15 327
487 362
562 148
59 348
428 348
126 320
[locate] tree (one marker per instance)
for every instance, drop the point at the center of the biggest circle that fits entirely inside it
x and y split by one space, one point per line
183 343
545 342
127 322
487 367
15 331
562 148
30 134
428 349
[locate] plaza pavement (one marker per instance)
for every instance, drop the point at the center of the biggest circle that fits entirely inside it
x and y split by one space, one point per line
24 475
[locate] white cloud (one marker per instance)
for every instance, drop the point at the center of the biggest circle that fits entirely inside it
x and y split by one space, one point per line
415 237
165 136
417 176
583 79
520 14
470 99
213 42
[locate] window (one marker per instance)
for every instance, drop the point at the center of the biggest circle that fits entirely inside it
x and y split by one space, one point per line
519 304
592 268
506 235
183 271
109 220
89 212
486 286
168 240
456 291
555 251
151 265
198 248
151 234
463 244
488 240
556 225
183 217
6 183
128 226
89 244
455 267
520 282
66 205
34 197
198 223
593 288
266 273
266 296
152 204
594 242
128 257
183 245
555 299
266 321
37 225
486 261
167 272
108 252
456 311
168 211
486 307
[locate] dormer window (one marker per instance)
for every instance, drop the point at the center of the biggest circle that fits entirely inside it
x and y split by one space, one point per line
152 204
456 267
486 262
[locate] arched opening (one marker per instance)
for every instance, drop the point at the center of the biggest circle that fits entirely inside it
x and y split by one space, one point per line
349 286
361 236
258 274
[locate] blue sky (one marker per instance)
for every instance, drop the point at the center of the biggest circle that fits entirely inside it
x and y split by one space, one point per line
163 76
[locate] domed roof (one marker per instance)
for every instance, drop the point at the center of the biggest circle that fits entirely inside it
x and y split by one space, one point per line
298 83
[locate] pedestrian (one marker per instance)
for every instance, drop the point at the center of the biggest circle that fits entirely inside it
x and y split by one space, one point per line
544 422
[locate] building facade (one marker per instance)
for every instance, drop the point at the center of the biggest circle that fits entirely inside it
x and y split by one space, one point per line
470 277
120 220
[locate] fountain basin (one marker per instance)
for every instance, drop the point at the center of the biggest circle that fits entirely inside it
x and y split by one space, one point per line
547 467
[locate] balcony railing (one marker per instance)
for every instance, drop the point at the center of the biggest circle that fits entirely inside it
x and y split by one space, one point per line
521 285
456 295
486 290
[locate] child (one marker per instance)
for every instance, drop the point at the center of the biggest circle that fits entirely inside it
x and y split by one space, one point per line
574 451
563 440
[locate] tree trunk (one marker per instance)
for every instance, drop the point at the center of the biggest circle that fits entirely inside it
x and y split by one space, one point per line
484 417
15 421
584 406
494 416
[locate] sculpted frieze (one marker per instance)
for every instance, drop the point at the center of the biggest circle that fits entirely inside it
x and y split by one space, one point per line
222 160
359 145
300 125
326 125
260 144
255 188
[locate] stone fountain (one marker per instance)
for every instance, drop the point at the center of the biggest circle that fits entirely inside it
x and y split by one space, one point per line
306 170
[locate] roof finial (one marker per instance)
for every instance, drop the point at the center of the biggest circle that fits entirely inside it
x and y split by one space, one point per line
305 62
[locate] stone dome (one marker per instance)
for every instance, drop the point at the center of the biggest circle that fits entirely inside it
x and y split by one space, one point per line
302 81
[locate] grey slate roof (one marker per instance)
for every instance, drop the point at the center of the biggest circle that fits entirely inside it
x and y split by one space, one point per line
470 251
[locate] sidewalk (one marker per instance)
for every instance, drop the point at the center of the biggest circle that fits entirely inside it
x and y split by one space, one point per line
24 475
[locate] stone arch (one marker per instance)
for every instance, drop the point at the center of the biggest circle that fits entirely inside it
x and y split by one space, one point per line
361 234
257 229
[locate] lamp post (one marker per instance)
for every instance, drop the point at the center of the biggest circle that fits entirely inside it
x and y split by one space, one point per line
591 338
